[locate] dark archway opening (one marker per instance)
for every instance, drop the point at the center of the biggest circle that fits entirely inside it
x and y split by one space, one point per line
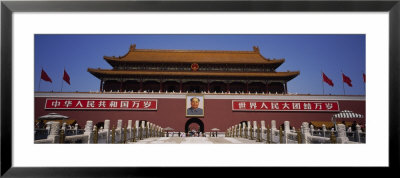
194 120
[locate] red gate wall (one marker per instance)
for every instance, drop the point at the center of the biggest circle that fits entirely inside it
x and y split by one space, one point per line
218 114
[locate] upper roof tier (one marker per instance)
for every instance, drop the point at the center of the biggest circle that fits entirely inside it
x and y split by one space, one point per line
101 73
193 56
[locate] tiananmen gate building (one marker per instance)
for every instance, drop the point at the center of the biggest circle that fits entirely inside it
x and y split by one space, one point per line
230 87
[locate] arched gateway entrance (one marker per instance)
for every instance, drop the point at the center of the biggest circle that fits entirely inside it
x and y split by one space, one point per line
193 122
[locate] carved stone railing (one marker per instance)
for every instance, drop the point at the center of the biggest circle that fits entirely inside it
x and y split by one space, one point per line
305 135
106 135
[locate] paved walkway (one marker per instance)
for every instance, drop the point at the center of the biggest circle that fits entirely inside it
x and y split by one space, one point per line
195 140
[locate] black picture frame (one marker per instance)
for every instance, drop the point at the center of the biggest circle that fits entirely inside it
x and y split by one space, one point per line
8 7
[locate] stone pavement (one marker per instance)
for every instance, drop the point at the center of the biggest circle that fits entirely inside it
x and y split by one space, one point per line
195 140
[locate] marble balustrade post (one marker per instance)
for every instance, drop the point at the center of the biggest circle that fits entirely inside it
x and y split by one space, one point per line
358 132
263 130
129 130
89 131
107 129
342 137
119 132
305 132
54 135
273 129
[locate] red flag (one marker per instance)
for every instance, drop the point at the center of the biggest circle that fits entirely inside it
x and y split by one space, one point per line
364 77
45 77
327 80
346 80
66 77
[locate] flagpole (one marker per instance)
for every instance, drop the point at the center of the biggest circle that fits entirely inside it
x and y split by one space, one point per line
62 80
40 79
344 92
323 89
365 90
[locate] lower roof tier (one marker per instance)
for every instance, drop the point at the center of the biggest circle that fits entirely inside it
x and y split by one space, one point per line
102 73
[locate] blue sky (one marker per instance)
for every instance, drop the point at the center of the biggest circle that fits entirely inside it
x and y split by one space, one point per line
310 54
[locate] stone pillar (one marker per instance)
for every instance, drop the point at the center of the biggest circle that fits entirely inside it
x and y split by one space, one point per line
237 130
273 129
88 127
255 127
107 125
341 138
54 132
147 129
76 129
137 125
129 129
64 126
89 131
107 129
273 125
119 132
143 126
311 130
248 129
287 130
240 130
48 126
357 132
263 130
323 130
243 130
155 130
305 133
151 130
129 124
119 124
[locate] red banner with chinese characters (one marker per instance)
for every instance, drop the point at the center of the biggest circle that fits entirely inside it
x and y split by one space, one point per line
102 104
314 106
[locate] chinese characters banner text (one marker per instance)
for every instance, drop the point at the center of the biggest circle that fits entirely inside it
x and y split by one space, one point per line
102 104
248 105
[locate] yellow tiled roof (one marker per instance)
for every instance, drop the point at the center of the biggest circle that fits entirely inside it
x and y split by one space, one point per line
194 56
97 72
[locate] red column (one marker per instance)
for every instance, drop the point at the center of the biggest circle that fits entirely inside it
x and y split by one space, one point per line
120 86
161 86
208 86
266 88
180 86
141 85
101 85
247 86
285 87
228 87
